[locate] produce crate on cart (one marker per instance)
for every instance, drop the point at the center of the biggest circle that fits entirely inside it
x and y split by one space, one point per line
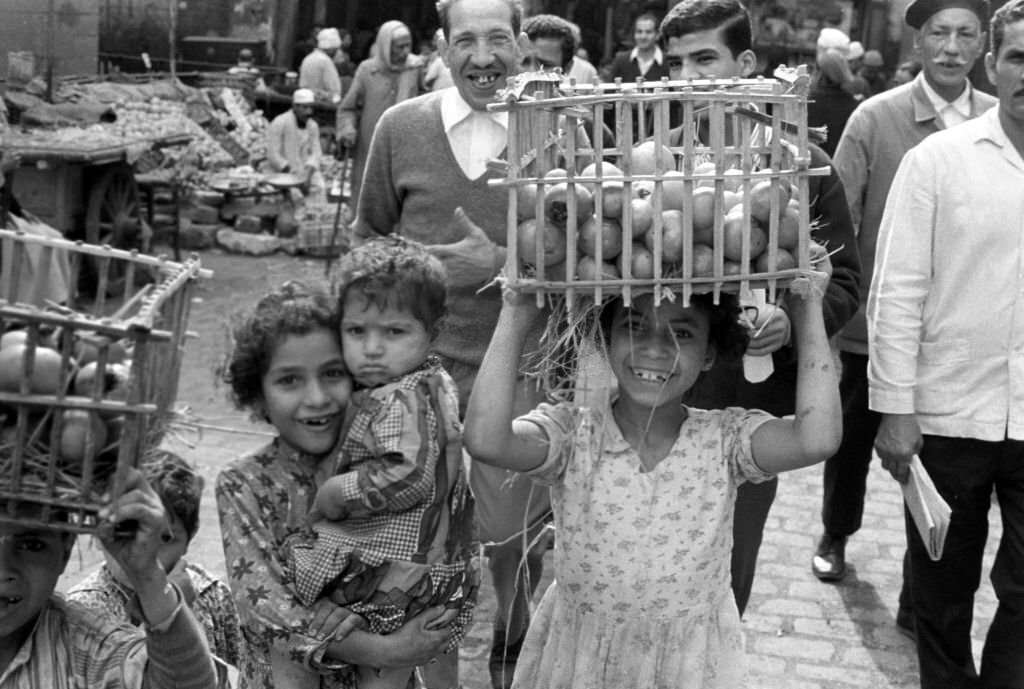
679 212
85 387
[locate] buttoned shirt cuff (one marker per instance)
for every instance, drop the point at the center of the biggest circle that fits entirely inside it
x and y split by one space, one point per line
888 401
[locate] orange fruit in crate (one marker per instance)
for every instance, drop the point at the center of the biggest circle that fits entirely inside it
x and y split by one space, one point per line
671 237
734 232
526 201
613 197
587 269
733 179
76 444
784 260
789 228
703 260
553 242
115 381
609 173
556 203
761 199
673 188
730 268
703 204
641 262
707 168
643 216
731 199
46 369
13 337
87 350
645 161
607 233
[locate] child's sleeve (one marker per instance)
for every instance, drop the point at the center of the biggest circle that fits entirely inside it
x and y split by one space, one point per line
558 423
270 615
737 428
403 438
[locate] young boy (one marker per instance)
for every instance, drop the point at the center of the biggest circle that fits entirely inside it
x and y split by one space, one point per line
704 39
48 642
108 589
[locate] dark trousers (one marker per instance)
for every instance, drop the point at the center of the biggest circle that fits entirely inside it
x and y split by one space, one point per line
965 471
846 472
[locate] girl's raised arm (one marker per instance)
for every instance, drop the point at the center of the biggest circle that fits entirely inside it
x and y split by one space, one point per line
814 432
490 434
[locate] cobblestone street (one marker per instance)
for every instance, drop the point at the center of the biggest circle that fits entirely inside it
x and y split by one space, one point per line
801 634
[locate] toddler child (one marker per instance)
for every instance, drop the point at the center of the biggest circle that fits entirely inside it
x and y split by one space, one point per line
642 488
109 590
393 526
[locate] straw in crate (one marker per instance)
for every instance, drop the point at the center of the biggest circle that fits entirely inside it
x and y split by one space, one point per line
677 213
85 387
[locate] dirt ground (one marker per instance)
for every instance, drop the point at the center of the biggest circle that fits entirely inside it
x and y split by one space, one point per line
237 283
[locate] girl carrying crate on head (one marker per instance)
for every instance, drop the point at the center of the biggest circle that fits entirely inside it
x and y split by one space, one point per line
642 487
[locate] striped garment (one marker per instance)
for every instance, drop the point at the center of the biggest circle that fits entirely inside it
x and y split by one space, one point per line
213 607
73 647
406 541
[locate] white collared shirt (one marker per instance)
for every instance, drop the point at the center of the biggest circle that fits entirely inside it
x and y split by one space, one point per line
643 63
475 136
945 341
953 113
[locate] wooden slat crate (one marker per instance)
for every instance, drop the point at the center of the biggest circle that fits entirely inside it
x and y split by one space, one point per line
693 244
85 387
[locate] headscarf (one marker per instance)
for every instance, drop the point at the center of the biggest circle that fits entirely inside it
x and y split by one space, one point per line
382 47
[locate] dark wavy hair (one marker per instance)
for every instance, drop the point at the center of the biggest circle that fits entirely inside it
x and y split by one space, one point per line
293 309
397 272
725 332
728 16
552 26
1010 13
177 484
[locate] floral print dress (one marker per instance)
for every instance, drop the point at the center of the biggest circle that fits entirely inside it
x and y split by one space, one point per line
641 596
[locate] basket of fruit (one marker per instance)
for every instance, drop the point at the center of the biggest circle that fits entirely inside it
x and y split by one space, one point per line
86 387
715 198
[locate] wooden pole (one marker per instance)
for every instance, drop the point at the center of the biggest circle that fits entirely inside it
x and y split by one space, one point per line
172 38
50 48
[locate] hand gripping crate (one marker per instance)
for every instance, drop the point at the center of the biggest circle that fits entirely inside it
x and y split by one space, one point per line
723 197
86 386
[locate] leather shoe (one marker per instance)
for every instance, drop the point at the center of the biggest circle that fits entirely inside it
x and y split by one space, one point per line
829 561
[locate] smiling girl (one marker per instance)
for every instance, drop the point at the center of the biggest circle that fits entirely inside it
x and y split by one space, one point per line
286 367
393 526
642 488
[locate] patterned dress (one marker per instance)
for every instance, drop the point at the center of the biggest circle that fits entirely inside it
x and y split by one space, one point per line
641 596
405 542
262 499
213 608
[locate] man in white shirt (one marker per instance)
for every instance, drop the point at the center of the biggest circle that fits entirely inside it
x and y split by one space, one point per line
293 144
946 371
318 73
949 35
427 178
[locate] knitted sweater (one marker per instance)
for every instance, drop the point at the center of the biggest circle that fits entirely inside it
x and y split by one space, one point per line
412 184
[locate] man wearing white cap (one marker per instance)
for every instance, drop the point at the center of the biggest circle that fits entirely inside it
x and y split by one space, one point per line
833 39
293 142
318 72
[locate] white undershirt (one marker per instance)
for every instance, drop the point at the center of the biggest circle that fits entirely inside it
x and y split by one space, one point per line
475 136
951 113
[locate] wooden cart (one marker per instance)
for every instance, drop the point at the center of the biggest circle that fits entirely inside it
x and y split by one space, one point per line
87 193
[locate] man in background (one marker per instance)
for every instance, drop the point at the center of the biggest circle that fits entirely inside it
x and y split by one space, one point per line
318 72
949 34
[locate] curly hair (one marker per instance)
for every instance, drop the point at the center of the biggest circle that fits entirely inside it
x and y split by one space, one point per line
726 333
1010 13
553 26
293 309
396 272
177 484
